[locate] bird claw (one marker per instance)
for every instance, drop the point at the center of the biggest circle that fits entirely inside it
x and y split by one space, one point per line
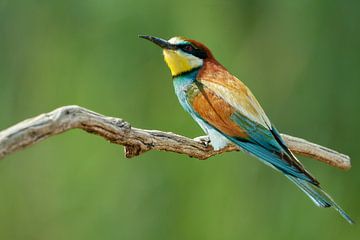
205 140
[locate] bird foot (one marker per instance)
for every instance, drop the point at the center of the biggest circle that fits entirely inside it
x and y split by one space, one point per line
205 140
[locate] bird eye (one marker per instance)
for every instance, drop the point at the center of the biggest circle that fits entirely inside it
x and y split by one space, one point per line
188 48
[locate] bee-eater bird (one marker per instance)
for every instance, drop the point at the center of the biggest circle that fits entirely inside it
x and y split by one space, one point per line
228 112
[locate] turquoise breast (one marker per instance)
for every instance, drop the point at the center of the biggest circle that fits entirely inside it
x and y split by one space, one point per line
182 85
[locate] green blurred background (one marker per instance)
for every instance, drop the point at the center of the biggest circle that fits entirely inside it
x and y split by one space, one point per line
300 58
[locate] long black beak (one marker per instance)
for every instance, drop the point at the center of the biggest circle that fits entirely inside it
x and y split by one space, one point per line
159 41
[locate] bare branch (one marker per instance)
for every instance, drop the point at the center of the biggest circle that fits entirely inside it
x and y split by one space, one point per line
135 140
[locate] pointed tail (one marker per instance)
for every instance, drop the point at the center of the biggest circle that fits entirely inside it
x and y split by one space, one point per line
319 196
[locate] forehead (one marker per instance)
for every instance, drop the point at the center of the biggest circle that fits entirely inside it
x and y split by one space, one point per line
177 40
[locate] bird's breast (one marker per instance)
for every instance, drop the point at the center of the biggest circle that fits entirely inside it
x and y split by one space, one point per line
184 86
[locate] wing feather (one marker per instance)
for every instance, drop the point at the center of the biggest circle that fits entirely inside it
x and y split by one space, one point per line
236 113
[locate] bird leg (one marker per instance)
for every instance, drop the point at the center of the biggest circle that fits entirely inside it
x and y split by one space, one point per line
205 140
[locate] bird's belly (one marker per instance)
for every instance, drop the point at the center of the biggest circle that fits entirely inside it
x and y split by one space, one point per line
218 141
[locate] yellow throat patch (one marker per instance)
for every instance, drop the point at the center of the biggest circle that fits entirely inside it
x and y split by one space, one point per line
179 62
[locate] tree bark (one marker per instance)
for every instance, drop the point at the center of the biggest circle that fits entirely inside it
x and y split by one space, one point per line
137 141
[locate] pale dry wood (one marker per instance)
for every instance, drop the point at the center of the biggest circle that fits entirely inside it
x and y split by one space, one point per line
135 140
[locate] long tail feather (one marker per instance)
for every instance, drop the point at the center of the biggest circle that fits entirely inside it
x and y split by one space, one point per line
319 196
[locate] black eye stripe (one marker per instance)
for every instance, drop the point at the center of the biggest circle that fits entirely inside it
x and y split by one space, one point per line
189 48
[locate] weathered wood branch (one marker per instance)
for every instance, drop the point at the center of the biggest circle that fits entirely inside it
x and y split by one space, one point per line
135 140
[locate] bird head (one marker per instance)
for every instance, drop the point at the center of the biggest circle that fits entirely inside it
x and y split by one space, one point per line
181 54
